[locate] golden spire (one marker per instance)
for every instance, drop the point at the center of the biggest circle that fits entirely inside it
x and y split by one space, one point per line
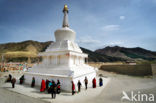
65 8
65 19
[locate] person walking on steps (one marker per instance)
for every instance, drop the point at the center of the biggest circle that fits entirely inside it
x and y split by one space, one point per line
53 90
94 83
43 86
22 79
33 82
86 82
73 88
79 86
100 82
58 87
13 81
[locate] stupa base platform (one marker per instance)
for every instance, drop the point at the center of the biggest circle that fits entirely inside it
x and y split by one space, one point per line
64 80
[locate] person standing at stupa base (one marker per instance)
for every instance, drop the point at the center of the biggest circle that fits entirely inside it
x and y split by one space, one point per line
94 82
73 88
86 83
13 81
33 82
79 86
43 86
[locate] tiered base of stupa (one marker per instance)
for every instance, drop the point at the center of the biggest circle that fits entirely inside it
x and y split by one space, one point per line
65 74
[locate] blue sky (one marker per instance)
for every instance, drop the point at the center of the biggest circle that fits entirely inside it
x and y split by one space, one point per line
98 23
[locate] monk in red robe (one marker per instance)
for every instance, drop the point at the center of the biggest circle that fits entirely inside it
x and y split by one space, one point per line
43 86
94 83
73 88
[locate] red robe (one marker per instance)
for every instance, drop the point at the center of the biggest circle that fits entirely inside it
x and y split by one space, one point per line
94 83
43 86
73 86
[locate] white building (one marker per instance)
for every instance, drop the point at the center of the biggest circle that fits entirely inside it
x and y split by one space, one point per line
63 60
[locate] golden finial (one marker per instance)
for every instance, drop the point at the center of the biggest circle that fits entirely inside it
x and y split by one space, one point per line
65 8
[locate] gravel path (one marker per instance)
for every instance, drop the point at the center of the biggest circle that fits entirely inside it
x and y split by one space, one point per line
7 96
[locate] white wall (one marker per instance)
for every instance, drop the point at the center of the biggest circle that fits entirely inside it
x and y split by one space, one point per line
65 82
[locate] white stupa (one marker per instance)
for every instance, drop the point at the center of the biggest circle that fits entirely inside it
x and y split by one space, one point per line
63 60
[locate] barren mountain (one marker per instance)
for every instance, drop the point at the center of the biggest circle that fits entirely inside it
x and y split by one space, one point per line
22 50
128 53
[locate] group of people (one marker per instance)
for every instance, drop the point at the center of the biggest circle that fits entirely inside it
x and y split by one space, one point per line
55 88
51 87
86 84
12 80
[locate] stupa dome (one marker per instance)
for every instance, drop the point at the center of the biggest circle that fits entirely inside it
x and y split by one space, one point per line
64 33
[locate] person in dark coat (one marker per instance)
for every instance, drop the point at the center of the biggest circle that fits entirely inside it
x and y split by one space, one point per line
86 82
58 87
73 88
22 79
79 86
33 82
94 83
13 81
49 86
9 78
58 82
100 82
47 83
53 90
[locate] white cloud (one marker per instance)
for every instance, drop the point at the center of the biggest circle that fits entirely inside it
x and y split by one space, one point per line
122 17
116 43
111 27
113 43
88 40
